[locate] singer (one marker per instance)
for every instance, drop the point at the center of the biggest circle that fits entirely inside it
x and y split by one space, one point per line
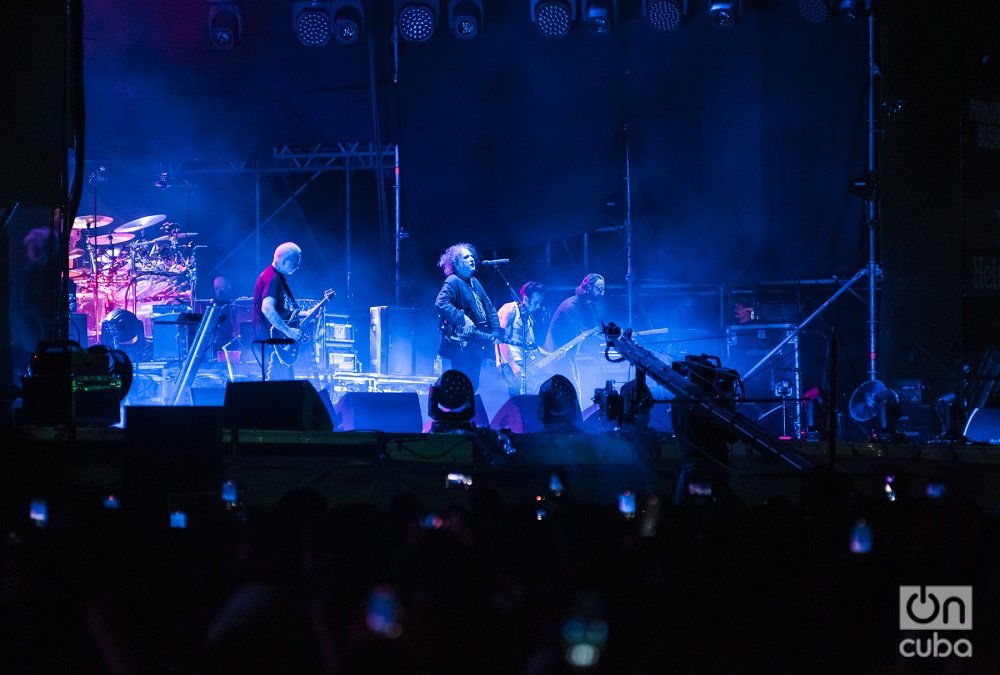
468 319
274 306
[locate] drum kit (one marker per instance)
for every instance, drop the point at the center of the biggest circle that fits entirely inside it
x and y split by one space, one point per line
126 269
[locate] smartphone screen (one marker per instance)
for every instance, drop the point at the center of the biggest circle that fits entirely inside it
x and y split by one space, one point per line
38 511
626 504
178 519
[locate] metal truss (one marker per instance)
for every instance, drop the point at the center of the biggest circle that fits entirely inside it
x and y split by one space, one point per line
287 159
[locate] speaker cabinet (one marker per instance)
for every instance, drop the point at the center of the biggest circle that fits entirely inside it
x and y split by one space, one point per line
292 405
390 411
519 414
403 340
173 334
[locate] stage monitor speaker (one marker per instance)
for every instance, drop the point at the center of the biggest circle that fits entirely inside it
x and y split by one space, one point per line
984 426
389 411
283 405
519 414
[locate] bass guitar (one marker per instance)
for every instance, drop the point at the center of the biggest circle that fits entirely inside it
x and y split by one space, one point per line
288 353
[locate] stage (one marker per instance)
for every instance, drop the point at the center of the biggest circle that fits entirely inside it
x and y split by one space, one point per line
178 457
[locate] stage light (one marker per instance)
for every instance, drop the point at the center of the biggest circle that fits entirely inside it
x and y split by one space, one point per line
311 21
465 17
452 402
225 24
416 19
348 20
949 412
558 404
120 327
553 18
665 14
853 10
600 16
818 11
725 13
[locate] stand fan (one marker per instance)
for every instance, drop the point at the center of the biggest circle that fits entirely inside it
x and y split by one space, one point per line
868 400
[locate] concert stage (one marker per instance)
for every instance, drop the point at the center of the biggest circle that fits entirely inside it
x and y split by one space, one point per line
177 458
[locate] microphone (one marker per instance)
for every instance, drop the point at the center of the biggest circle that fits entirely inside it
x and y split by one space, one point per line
494 263
275 341
99 175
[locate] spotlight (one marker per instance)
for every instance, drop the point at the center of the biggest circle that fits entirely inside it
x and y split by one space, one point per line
819 11
816 11
120 327
853 10
311 21
558 404
600 16
553 18
416 19
452 402
225 24
665 14
725 13
348 20
465 17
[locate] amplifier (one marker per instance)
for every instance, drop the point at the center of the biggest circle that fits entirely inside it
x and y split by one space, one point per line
403 340
341 360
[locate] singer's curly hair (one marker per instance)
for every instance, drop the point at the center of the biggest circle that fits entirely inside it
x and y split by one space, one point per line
448 261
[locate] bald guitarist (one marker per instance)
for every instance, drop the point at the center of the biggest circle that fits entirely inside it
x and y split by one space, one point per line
277 320
468 320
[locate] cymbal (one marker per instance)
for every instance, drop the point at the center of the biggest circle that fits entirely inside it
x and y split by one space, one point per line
75 253
78 273
176 235
83 222
110 239
140 223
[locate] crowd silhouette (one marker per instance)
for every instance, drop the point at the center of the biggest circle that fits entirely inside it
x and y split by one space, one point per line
486 585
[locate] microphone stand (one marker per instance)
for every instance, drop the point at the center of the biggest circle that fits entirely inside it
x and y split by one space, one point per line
92 254
524 330
263 361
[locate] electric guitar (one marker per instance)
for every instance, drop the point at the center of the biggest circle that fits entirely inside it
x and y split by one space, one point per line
288 353
466 338
538 364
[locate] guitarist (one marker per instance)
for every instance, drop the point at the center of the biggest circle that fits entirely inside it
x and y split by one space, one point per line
468 320
274 306
519 344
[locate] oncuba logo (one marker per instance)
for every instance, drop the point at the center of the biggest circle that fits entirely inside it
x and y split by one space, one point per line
935 608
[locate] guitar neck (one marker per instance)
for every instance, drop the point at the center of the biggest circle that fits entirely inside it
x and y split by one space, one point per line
314 310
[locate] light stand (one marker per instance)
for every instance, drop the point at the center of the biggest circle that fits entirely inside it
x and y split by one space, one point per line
868 190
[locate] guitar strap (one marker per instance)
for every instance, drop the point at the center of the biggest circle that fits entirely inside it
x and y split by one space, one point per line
288 291
480 305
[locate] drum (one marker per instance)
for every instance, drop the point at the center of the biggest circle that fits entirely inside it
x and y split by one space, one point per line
156 286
